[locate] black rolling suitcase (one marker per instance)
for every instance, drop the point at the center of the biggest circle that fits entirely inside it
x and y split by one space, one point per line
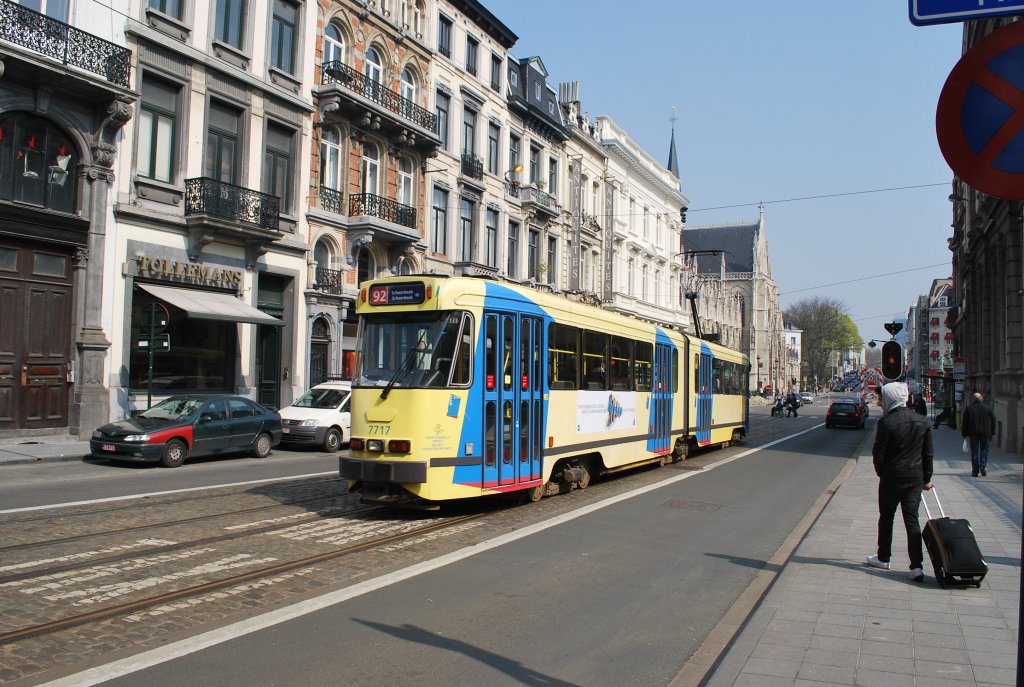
952 547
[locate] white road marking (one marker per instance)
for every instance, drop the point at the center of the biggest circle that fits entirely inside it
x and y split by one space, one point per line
87 554
147 659
163 493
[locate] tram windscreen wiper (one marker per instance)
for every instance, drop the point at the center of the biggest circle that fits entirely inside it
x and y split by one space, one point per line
402 369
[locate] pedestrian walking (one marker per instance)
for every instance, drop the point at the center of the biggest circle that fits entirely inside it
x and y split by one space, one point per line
920 407
978 426
902 455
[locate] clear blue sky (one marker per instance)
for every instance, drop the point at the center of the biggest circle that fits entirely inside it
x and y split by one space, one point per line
776 100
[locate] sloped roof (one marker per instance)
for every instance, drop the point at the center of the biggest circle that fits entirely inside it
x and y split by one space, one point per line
737 240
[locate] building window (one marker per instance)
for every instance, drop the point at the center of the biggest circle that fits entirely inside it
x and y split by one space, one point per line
496 66
37 163
533 255
407 85
222 151
370 168
513 78
366 266
439 223
202 358
534 164
229 24
277 165
513 249
158 123
513 154
444 36
55 9
493 134
552 259
492 238
472 46
466 211
373 71
282 36
552 175
334 44
442 107
172 8
405 181
330 158
469 131
647 223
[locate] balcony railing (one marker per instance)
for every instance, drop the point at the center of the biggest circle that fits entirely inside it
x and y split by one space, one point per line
472 166
331 200
206 196
340 73
328 281
532 194
384 208
64 43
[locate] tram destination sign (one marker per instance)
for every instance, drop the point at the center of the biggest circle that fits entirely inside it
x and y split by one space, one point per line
410 293
926 12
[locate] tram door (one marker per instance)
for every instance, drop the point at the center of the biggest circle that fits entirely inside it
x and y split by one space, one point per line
703 393
512 399
661 404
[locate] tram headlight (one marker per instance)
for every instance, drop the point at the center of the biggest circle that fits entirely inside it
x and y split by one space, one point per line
375 445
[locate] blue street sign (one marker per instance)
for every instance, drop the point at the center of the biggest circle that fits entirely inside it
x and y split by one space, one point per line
924 12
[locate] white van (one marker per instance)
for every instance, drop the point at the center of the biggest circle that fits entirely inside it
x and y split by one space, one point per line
320 417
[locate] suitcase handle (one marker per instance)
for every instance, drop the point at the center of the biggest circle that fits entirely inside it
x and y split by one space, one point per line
935 493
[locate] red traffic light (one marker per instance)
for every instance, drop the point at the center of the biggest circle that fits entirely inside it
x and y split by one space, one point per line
892 360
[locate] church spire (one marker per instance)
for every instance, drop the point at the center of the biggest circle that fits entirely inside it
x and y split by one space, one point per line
673 162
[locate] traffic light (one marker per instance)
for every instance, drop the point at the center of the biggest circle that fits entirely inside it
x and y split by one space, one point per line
892 360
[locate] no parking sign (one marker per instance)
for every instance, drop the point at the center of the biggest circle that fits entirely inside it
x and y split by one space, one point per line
980 116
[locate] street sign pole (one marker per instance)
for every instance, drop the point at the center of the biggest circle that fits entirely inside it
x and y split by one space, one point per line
152 333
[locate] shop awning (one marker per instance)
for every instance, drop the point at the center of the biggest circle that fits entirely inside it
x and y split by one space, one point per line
207 305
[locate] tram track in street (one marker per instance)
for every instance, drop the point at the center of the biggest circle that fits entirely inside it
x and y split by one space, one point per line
277 568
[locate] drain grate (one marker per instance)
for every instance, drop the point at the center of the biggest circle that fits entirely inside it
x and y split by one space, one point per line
698 506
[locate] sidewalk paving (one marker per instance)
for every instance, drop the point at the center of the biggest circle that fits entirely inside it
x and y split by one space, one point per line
42 450
830 620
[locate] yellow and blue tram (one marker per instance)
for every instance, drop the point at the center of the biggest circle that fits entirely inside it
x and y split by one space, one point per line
466 387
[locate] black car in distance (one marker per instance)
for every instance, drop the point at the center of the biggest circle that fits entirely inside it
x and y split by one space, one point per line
845 413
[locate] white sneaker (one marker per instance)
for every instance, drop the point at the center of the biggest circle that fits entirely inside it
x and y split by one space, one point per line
875 563
916 574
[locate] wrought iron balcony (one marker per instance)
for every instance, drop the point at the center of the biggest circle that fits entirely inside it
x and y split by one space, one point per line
64 43
206 196
472 166
543 201
383 208
329 281
512 188
331 199
340 73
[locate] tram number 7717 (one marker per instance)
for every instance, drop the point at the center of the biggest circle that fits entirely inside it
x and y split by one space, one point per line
379 429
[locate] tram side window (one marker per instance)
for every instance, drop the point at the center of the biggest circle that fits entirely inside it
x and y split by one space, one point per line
563 352
595 366
463 354
642 370
727 378
621 362
676 369
491 354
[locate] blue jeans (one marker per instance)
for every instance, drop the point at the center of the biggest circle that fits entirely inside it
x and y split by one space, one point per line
906 497
979 453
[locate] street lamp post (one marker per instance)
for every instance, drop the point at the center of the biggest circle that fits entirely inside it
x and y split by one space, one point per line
759 374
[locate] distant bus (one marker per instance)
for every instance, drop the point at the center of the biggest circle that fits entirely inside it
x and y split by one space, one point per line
466 387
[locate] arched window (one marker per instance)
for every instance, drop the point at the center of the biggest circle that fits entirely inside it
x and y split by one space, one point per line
322 255
37 163
330 158
370 167
405 181
374 72
365 265
334 44
407 85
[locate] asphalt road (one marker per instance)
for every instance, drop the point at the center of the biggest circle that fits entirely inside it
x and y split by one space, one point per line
621 595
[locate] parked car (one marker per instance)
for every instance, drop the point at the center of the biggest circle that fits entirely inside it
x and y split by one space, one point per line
806 397
320 417
186 426
843 413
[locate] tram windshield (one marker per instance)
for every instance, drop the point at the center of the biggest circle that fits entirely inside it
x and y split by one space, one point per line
402 349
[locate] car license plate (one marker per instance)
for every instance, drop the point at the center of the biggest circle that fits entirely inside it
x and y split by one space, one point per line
285 430
108 447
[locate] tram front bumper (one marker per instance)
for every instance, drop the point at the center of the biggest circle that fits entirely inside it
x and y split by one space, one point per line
385 471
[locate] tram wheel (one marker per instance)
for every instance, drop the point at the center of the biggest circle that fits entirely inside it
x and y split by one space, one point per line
585 482
535 494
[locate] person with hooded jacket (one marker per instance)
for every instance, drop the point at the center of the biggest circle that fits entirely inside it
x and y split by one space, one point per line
902 456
